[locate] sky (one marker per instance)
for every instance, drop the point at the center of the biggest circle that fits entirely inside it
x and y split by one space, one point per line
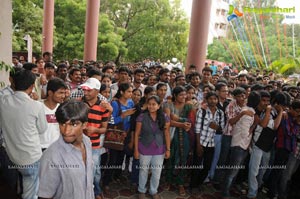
187 6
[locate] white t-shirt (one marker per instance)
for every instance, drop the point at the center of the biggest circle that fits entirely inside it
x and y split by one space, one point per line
240 132
52 133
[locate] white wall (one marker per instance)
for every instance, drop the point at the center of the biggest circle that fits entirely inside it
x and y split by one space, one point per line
5 36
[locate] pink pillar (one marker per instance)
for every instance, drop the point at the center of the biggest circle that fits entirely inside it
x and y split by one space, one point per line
91 30
48 24
199 28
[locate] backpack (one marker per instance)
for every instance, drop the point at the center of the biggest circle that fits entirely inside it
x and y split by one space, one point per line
203 116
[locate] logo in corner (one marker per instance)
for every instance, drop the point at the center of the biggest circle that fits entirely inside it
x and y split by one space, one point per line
233 13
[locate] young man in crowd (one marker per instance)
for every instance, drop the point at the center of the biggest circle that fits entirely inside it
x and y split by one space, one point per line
62 72
47 57
222 92
164 76
206 78
285 144
75 79
56 92
138 76
98 116
208 122
233 114
22 121
242 79
263 139
123 74
241 139
66 169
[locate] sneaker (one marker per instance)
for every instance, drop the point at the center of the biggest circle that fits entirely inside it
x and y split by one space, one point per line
142 196
156 196
264 190
167 187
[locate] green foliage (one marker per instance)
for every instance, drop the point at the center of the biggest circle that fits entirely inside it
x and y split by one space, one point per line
286 66
69 24
110 43
27 19
152 28
6 67
129 30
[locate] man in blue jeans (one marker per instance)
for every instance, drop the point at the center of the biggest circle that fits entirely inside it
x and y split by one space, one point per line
99 112
241 138
22 121
268 118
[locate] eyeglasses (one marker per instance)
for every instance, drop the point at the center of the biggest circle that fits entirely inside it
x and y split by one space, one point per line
225 91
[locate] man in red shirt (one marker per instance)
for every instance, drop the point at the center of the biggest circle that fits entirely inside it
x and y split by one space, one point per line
98 117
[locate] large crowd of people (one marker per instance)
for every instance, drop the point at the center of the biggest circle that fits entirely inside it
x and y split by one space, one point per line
234 130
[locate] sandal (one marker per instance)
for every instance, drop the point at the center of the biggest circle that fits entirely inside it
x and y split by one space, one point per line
181 190
167 187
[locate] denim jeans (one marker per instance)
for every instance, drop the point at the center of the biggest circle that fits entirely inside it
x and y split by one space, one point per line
223 159
259 161
30 178
97 171
134 176
291 167
218 142
237 157
155 162
10 174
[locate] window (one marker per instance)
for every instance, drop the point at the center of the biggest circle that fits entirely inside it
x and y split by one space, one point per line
223 12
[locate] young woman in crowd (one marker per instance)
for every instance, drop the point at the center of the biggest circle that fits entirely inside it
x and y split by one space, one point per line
136 95
191 96
123 101
105 91
140 108
152 145
106 79
182 119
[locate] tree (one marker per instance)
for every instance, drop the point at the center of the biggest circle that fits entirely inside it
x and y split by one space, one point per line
27 19
69 23
153 28
129 30
110 43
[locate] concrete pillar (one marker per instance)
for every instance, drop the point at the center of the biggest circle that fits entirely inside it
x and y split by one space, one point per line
91 30
5 39
48 25
199 29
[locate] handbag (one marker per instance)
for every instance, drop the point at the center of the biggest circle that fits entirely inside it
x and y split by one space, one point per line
115 135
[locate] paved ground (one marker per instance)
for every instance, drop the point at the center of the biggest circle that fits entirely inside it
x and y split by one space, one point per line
123 191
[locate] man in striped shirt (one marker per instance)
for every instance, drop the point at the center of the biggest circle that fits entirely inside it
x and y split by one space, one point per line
208 122
98 116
